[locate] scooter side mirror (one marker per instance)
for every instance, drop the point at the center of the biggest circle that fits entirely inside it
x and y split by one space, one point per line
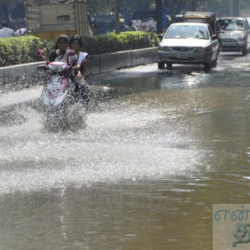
71 52
40 52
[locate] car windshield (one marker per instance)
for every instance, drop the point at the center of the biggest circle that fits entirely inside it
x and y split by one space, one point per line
231 24
187 31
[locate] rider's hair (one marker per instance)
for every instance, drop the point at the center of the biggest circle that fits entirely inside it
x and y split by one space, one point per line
62 37
78 38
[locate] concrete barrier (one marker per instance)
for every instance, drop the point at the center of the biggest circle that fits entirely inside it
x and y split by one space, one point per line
94 66
17 77
20 76
123 59
108 62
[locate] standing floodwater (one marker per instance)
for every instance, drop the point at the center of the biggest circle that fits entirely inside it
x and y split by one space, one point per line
142 172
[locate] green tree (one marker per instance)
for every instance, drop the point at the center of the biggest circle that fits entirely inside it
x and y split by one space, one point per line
99 7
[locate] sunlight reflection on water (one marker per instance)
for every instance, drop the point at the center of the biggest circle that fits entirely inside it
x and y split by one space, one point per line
132 142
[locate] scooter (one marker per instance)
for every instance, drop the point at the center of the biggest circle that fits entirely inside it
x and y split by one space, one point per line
60 91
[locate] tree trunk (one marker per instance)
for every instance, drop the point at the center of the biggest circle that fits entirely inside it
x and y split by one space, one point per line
193 5
159 16
117 18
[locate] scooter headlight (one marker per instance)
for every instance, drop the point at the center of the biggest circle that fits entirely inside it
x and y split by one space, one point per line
57 66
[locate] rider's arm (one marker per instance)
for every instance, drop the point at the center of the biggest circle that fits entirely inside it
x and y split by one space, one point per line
83 66
76 68
74 63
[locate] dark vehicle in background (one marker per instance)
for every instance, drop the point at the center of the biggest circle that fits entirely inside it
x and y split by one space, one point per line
146 15
106 23
235 34
177 18
201 17
190 42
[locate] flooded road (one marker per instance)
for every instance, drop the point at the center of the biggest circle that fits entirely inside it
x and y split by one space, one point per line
142 172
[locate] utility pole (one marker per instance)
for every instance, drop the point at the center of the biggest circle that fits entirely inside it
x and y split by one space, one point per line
117 17
193 5
231 7
238 8
159 16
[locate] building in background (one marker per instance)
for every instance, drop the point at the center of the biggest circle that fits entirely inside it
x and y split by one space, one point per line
47 18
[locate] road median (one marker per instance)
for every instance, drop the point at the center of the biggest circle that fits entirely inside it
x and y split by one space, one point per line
18 77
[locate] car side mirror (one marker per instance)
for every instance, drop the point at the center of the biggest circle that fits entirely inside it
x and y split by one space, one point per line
160 36
214 37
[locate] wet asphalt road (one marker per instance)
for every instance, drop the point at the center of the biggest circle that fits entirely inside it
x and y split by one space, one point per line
142 171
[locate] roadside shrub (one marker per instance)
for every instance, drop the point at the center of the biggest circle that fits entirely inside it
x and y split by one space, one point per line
48 46
18 50
108 43
112 42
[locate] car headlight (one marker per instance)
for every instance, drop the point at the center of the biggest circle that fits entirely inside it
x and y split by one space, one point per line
163 48
203 49
200 49
207 49
240 39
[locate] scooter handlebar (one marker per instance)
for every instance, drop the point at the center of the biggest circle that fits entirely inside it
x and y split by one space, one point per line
44 67
68 68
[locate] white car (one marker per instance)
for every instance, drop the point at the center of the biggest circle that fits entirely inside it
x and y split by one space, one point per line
188 43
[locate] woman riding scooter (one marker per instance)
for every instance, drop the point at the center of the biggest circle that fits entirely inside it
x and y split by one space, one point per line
76 44
61 54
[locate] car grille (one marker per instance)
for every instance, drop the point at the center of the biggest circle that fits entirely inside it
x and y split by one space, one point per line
190 59
182 49
227 40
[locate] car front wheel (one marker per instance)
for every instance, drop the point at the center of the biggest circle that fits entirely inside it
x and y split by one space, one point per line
244 51
169 65
161 65
208 66
214 62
